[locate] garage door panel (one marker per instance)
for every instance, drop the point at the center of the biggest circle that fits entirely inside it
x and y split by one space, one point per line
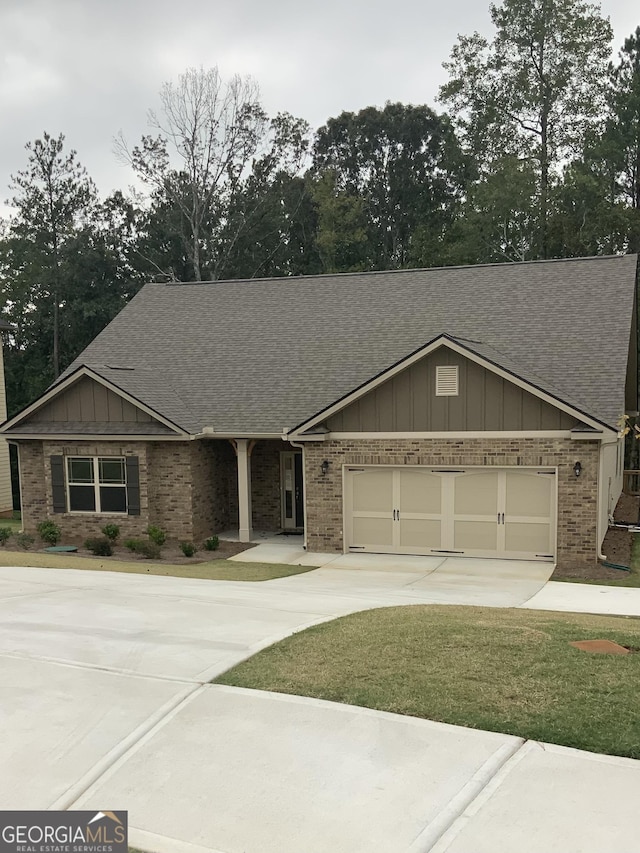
419 533
528 495
475 536
477 493
373 490
508 513
372 531
420 492
527 538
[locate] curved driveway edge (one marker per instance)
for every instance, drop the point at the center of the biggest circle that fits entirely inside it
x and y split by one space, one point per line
103 677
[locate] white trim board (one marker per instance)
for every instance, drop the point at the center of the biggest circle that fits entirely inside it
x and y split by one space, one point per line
442 340
339 436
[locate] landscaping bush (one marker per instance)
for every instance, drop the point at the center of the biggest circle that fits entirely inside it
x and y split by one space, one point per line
212 543
188 548
157 535
5 534
49 532
111 531
99 547
147 549
24 541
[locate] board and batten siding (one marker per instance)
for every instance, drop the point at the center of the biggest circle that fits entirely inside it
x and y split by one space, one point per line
485 402
89 401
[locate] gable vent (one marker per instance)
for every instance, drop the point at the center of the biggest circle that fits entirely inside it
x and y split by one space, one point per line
447 381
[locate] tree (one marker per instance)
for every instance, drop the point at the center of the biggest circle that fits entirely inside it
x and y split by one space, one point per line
623 131
54 196
213 136
403 164
534 91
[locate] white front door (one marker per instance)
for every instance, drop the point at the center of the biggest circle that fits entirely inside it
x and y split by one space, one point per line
480 512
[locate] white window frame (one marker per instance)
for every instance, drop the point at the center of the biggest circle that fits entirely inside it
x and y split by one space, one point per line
97 485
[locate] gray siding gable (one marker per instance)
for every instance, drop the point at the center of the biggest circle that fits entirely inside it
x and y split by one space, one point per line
486 402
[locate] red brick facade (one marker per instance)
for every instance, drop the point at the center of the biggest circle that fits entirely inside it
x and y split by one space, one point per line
577 497
190 488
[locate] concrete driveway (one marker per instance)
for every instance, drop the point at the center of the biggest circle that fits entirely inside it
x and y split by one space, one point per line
105 704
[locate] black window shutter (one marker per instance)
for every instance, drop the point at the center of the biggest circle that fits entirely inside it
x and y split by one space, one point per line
133 486
58 490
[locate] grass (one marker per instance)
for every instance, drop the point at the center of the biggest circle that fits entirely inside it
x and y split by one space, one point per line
219 570
509 671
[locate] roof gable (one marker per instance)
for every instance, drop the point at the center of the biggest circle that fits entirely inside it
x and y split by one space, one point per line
85 403
407 401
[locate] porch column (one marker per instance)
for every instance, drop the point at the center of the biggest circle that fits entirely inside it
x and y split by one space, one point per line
243 450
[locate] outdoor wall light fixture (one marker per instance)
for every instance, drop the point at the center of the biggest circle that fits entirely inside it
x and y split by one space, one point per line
577 469
324 467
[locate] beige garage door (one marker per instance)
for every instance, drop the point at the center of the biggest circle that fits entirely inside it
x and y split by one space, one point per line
480 512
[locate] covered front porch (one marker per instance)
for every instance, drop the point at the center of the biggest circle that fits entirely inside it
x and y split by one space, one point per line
248 490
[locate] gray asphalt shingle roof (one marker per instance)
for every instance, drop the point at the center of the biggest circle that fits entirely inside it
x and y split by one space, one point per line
260 355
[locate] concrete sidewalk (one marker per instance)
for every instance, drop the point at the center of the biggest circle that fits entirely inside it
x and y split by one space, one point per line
241 771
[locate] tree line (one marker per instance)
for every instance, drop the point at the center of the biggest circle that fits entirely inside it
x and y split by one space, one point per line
532 152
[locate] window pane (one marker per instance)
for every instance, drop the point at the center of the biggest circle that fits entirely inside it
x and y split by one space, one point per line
80 470
82 499
113 499
111 470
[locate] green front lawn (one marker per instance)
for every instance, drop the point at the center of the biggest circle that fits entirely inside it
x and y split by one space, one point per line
509 671
219 570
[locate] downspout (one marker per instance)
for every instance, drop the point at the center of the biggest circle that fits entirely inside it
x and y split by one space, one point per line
300 446
601 557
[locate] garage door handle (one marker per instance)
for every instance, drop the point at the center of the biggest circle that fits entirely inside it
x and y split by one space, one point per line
500 518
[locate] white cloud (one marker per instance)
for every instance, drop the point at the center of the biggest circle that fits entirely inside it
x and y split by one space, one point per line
89 69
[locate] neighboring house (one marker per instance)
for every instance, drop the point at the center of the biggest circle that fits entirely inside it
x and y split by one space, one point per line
468 410
6 497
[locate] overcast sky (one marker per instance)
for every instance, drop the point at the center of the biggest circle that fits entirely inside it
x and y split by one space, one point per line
90 68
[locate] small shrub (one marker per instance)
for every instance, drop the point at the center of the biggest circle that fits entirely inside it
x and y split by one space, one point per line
212 543
99 547
157 535
24 541
141 546
188 548
111 531
49 532
5 534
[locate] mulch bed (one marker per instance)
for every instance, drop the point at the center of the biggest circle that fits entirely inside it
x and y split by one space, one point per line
616 546
171 553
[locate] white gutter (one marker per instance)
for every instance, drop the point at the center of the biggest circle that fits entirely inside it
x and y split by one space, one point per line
304 487
602 557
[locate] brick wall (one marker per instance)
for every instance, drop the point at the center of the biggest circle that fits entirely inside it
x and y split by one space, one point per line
577 497
37 500
170 488
213 469
265 485
189 488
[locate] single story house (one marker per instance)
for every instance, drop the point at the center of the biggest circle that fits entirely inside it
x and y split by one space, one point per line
463 410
